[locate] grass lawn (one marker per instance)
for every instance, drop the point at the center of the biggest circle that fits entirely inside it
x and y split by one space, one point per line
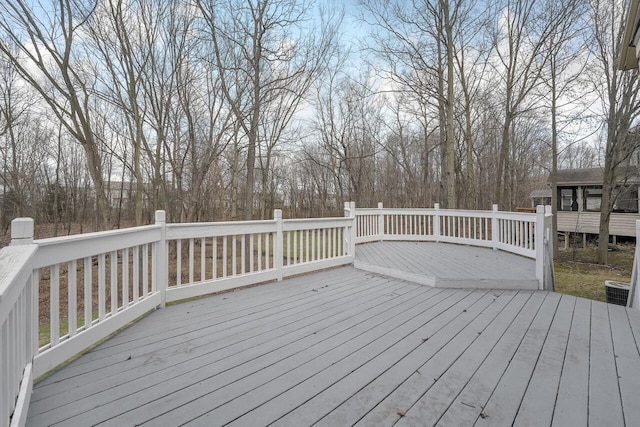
578 274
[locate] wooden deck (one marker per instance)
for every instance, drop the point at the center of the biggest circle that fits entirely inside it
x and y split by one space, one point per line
447 265
345 346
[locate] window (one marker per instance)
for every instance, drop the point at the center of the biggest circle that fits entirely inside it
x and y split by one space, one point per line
626 200
592 199
565 201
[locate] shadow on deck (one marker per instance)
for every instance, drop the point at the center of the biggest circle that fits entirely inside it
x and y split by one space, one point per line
447 265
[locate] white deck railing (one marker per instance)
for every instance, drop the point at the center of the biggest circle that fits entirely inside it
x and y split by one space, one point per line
633 299
518 233
96 283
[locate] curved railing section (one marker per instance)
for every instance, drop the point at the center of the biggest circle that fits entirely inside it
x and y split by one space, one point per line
526 234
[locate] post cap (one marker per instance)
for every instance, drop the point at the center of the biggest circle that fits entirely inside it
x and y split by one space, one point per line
277 213
21 231
161 216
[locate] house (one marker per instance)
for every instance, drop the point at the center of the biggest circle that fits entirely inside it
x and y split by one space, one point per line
540 197
630 44
579 198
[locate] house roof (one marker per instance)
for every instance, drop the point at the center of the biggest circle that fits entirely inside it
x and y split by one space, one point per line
540 193
628 58
594 176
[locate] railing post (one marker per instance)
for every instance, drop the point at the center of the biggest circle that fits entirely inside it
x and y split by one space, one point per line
436 221
278 244
495 231
350 230
380 221
352 249
347 229
22 234
548 214
21 231
539 242
161 261
548 255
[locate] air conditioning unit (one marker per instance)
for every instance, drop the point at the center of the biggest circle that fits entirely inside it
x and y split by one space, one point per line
617 292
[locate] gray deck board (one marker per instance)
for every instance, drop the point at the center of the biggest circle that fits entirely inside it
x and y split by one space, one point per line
434 403
399 362
322 370
403 398
540 398
605 406
471 400
572 403
346 346
505 401
164 347
271 336
446 265
627 361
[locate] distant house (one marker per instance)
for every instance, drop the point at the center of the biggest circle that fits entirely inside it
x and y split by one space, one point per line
580 196
122 197
540 197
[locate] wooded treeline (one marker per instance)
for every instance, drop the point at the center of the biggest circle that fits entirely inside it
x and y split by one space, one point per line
227 109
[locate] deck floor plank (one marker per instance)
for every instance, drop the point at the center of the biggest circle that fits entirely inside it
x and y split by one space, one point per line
539 400
572 402
392 370
447 265
346 346
505 401
181 360
403 397
205 331
605 405
320 364
368 363
230 373
358 405
471 400
210 348
435 402
627 361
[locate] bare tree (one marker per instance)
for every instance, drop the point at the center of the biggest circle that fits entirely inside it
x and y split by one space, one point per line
416 40
47 60
266 60
620 103
519 37
565 65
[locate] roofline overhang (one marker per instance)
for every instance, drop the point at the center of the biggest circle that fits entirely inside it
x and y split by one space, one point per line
628 56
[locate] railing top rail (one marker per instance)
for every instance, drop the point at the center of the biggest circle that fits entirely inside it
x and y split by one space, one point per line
448 212
521 216
312 221
57 250
243 224
77 238
378 210
218 229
